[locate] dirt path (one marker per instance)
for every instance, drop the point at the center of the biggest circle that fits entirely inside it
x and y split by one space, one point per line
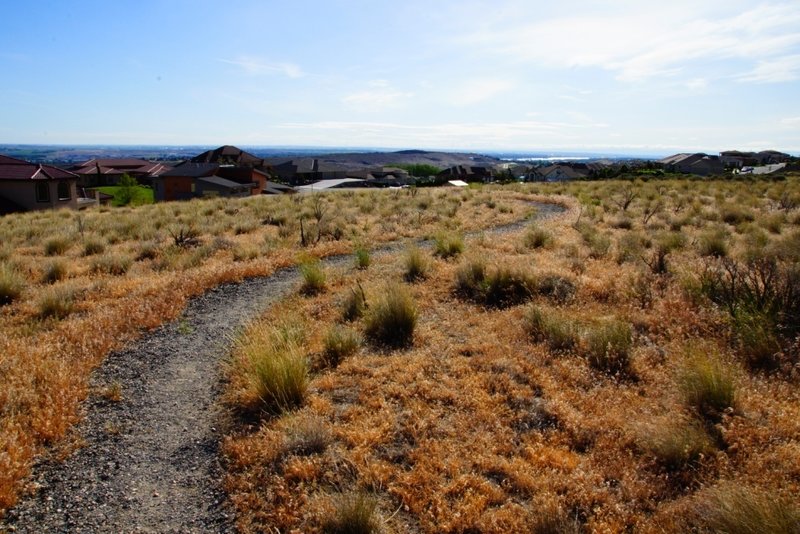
149 462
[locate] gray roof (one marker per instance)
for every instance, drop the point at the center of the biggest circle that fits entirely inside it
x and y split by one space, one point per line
330 184
222 182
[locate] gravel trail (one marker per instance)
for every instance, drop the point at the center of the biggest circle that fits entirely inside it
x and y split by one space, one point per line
149 462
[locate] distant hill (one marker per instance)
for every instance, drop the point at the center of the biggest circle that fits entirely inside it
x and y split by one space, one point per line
358 160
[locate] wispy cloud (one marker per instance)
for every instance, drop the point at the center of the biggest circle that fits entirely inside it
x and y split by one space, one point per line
379 95
479 90
257 66
781 69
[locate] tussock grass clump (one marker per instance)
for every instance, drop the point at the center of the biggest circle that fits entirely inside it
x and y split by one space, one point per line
93 246
499 287
313 277
113 264
340 342
354 304
148 250
736 509
448 245
537 237
560 333
609 346
678 444
56 302
735 214
354 513
55 271
708 385
416 266
308 435
11 284
275 369
362 258
713 244
392 320
57 246
557 288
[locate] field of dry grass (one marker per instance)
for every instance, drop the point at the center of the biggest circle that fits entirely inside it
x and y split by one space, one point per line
632 365
74 286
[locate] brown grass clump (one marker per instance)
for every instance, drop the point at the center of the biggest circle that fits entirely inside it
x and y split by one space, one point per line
737 509
354 513
708 385
392 319
11 284
609 347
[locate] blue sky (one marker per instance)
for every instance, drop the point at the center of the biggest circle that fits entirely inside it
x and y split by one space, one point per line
623 75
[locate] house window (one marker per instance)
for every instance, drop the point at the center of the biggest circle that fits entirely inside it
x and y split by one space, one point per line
63 191
42 192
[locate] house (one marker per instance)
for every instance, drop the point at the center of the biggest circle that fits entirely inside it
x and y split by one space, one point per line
245 175
179 183
216 186
383 176
699 163
324 185
307 170
274 188
231 155
562 173
26 186
108 171
466 173
738 159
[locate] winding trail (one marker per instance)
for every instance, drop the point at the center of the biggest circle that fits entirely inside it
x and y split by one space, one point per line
149 463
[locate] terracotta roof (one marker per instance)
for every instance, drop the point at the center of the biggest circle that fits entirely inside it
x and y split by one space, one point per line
17 169
228 154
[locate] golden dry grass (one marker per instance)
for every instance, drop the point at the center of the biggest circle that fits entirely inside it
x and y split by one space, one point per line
479 427
126 270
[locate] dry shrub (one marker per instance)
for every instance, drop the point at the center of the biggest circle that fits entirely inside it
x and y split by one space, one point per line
392 320
678 444
557 288
733 508
608 346
354 513
307 435
11 284
499 287
708 385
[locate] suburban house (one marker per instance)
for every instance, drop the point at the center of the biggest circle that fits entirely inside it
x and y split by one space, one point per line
26 186
738 159
383 176
108 171
190 180
306 170
325 185
466 173
699 163
231 155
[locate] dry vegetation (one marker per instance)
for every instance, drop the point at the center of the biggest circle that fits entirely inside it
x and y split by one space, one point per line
630 366
74 286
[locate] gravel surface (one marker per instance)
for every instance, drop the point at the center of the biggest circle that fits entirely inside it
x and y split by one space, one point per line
149 461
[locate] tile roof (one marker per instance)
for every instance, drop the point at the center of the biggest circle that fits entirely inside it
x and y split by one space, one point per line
17 169
192 170
228 154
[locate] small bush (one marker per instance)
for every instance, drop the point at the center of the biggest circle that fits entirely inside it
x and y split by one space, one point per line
708 386
733 214
11 284
537 237
313 277
277 374
93 246
557 288
679 444
147 251
415 263
392 321
609 347
339 343
560 333
713 244
57 302
113 264
56 246
354 513
448 245
733 508
500 287
354 304
55 271
362 258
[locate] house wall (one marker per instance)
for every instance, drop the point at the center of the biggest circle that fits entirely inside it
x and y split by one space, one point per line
23 192
205 189
168 188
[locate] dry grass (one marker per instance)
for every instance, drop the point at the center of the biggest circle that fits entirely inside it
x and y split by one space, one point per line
493 420
50 345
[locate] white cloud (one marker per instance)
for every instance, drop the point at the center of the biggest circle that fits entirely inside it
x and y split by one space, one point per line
257 66
479 90
379 96
791 121
782 69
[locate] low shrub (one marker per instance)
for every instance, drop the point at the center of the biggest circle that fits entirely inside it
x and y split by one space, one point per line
735 214
537 237
313 277
55 271
416 265
93 246
733 508
148 250
353 513
56 246
557 288
678 444
609 346
713 244
392 320
340 342
56 302
560 333
362 258
447 245
308 435
756 339
11 284
708 386
499 287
